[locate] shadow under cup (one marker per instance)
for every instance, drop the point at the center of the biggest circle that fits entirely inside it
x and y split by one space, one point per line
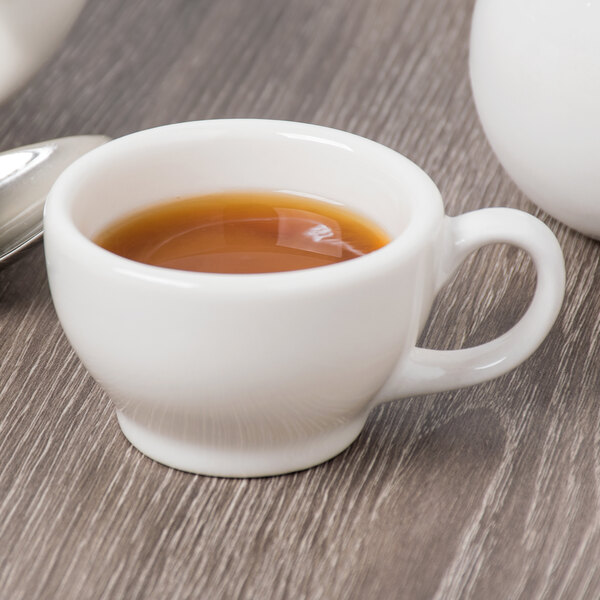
242 375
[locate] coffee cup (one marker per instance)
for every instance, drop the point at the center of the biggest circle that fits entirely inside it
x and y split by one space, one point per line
262 374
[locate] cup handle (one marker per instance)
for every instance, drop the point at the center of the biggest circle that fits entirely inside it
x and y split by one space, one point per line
427 371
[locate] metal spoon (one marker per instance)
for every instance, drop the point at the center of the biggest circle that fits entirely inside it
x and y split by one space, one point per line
26 176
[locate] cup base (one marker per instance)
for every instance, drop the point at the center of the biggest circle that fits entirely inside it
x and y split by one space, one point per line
223 462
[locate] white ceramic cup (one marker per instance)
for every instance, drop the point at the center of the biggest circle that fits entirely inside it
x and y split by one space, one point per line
250 375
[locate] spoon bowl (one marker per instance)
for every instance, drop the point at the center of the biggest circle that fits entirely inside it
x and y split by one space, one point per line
26 176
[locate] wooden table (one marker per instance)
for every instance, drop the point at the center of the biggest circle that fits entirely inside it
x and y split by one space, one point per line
489 492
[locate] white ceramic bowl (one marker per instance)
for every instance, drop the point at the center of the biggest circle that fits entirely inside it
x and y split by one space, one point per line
30 31
535 73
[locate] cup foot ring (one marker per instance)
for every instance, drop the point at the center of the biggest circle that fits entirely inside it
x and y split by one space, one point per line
234 462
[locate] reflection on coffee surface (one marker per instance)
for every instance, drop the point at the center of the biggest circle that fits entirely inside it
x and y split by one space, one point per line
243 232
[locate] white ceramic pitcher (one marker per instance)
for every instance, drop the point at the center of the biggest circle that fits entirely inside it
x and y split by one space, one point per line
535 72
30 31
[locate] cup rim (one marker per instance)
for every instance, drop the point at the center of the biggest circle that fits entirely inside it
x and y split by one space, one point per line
426 214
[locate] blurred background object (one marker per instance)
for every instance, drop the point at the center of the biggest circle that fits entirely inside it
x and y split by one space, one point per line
30 31
535 72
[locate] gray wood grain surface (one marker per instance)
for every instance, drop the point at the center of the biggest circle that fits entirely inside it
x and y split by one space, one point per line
489 492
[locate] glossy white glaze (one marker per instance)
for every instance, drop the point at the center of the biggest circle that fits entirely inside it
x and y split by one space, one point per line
30 31
248 375
535 73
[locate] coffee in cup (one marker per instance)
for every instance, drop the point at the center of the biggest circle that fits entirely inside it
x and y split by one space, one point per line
243 232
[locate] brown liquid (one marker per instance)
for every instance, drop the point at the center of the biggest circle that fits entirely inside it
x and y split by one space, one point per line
243 232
